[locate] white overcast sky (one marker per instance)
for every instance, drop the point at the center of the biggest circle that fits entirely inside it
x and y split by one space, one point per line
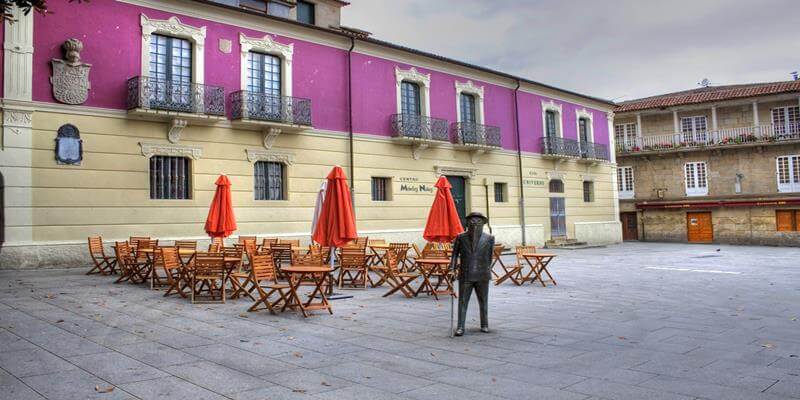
615 49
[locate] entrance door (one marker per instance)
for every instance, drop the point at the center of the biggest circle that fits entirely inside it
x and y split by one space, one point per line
459 192
630 229
558 217
699 228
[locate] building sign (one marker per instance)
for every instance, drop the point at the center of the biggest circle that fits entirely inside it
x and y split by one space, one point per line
533 182
416 188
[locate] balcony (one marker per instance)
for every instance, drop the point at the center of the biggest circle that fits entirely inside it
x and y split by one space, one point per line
723 138
420 131
556 147
261 108
470 134
148 96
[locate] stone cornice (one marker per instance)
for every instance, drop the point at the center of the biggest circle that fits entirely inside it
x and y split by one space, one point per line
255 155
165 149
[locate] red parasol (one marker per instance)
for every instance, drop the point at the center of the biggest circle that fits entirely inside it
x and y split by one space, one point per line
443 222
221 222
336 225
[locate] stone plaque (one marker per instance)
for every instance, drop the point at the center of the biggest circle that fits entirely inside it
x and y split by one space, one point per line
70 78
69 147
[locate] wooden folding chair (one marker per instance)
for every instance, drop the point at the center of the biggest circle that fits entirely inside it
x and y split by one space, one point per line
145 255
282 255
267 242
292 242
497 259
173 270
242 239
265 277
103 264
186 244
514 272
156 269
134 241
129 269
208 270
401 250
241 281
353 268
392 274
216 245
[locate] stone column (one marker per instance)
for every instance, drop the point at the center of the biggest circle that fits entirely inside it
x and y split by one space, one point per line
755 114
714 118
613 147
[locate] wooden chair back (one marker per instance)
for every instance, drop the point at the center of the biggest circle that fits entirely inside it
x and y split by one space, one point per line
123 252
295 243
267 242
282 254
308 259
432 250
263 267
186 244
134 240
169 258
145 244
353 258
523 249
243 239
215 247
209 265
232 253
96 247
361 242
373 242
218 241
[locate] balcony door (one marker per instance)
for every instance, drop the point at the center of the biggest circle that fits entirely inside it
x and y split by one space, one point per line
786 121
469 131
170 77
584 138
264 83
694 129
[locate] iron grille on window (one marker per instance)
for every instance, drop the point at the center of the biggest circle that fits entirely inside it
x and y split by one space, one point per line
305 12
556 186
380 189
269 181
169 178
588 191
499 192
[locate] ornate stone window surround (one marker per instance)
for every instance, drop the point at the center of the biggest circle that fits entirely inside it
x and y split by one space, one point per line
174 150
477 91
268 45
550 105
285 158
175 28
587 115
423 80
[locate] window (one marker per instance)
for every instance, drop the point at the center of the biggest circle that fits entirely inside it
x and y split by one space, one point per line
625 135
786 120
409 97
625 182
696 179
788 173
583 130
380 188
278 9
269 181
550 123
694 129
500 192
171 72
264 74
787 220
305 12
169 178
588 191
556 186
468 113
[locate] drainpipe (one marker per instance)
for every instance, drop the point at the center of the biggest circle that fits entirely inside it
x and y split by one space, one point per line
488 213
350 120
519 160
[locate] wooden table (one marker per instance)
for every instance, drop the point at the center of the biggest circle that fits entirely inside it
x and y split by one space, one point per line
539 265
428 267
300 274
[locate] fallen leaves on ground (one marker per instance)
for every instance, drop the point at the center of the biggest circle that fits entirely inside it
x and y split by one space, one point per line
98 389
298 354
768 345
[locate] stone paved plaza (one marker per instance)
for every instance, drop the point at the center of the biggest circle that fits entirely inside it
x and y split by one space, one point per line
634 321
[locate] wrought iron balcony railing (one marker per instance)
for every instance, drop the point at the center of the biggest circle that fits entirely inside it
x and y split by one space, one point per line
687 141
595 151
557 146
471 133
194 98
415 126
266 107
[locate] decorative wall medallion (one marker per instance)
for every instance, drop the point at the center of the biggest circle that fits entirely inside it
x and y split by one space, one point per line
225 45
69 146
164 149
70 78
254 155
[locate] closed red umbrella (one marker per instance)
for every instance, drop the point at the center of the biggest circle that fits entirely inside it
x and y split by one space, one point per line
221 222
337 224
443 223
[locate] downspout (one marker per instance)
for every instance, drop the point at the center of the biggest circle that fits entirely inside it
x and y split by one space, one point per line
488 213
350 120
519 160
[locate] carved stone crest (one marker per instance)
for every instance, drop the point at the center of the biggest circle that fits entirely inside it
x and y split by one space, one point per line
70 78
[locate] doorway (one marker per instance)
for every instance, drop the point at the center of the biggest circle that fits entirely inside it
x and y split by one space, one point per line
699 228
630 228
558 218
459 192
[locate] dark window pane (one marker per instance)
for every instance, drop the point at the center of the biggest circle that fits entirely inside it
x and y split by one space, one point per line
305 12
499 192
556 186
380 189
467 108
169 178
588 191
583 129
550 123
410 98
171 73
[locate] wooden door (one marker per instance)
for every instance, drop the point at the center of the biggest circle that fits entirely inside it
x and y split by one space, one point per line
630 227
558 217
459 192
699 228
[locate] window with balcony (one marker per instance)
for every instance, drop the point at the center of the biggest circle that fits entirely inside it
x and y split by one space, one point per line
625 135
169 178
625 182
583 130
696 179
788 173
786 121
694 129
381 188
588 191
264 86
468 113
500 192
171 73
550 123
269 180
305 12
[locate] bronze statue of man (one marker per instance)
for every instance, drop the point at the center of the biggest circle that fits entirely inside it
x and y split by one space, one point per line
472 260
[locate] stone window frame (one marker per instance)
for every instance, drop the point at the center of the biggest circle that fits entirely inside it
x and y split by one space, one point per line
624 190
589 116
193 153
551 105
267 45
285 158
421 79
175 28
470 88
697 190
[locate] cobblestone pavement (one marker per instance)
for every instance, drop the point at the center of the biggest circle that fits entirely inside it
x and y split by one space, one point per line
634 321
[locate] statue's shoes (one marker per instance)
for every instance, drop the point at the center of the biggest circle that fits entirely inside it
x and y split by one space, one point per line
459 332
485 329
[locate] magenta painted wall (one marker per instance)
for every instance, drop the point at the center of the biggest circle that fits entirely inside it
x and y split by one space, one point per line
111 34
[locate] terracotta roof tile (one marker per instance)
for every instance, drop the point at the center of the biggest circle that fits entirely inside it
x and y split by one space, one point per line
709 94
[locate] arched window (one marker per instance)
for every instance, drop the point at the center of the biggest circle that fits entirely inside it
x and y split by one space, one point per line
69 147
556 186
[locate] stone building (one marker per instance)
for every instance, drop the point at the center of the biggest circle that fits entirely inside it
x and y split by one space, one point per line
714 164
123 131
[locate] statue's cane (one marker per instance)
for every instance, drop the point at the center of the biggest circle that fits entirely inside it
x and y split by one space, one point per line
451 314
